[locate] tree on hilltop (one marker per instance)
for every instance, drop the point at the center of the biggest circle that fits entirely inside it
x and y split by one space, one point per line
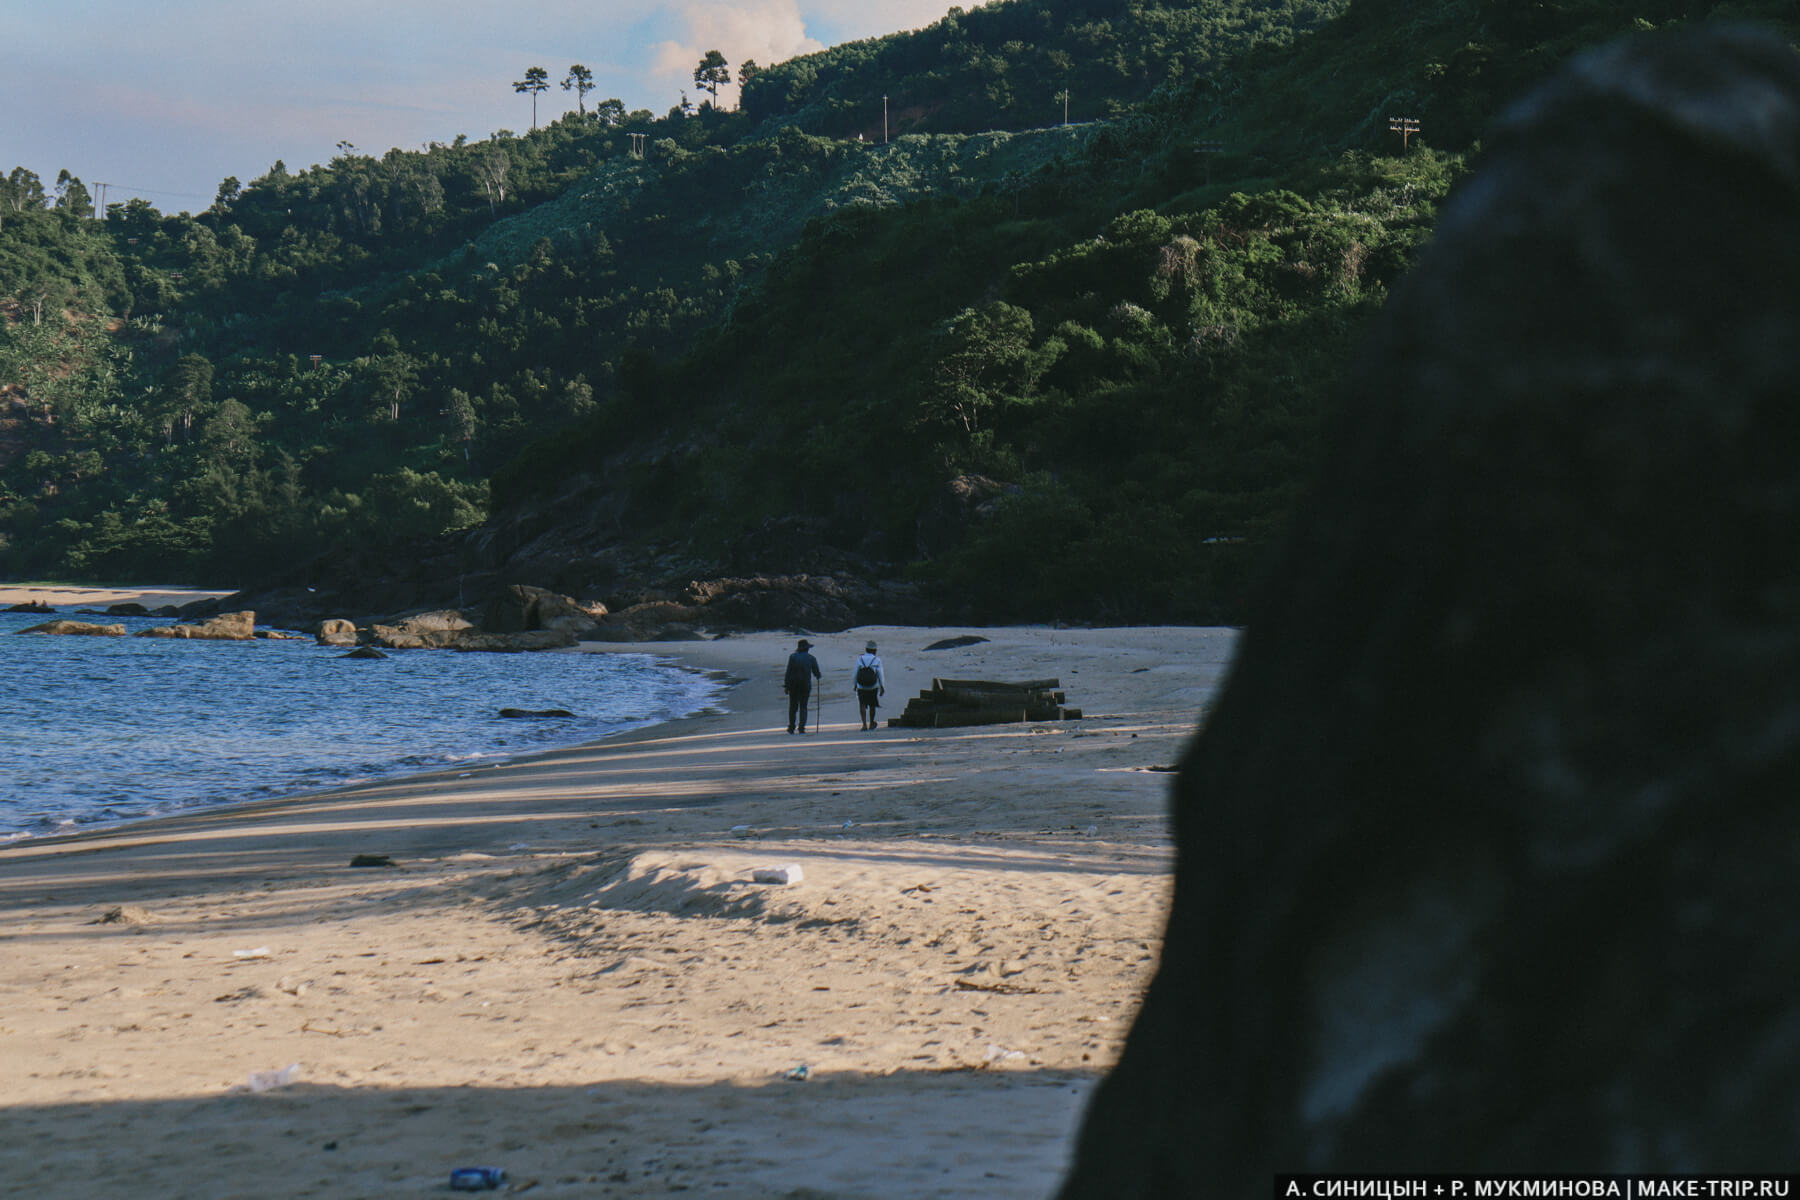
72 195
580 80
536 80
712 74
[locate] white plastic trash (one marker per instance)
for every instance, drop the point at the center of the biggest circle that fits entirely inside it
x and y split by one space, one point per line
789 874
263 1081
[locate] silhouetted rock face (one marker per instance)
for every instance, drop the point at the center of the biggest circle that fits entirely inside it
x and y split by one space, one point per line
1490 853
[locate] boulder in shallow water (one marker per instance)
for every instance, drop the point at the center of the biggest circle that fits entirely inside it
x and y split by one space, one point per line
77 629
336 632
507 643
422 631
226 627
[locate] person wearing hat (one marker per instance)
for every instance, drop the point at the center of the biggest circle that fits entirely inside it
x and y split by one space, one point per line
802 669
871 684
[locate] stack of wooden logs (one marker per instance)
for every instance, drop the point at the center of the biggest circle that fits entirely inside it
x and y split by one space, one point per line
985 702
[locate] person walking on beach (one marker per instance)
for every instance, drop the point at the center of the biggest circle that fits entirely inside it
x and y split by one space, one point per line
871 685
802 669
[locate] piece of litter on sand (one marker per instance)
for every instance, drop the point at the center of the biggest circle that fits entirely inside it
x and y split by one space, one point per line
477 1179
1002 1054
789 874
799 1074
124 914
740 829
259 952
849 824
372 860
263 1081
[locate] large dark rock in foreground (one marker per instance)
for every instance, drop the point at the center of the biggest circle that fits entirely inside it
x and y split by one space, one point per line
1490 853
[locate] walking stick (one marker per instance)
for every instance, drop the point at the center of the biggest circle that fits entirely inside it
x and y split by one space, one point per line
819 709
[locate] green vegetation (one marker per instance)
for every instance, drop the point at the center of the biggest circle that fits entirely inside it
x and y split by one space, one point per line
1055 370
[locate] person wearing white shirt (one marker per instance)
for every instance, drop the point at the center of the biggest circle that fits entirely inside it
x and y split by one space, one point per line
870 682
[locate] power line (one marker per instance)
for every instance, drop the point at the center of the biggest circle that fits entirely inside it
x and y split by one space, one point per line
126 187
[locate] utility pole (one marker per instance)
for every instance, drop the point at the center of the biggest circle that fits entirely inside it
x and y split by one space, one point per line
637 144
884 123
1064 97
100 202
1405 127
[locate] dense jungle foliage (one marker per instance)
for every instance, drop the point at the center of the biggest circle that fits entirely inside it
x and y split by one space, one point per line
1058 370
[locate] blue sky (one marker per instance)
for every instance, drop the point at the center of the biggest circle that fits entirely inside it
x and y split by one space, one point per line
165 98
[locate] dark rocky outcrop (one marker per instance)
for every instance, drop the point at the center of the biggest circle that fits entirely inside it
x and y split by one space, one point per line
519 714
518 608
961 504
569 560
826 603
1489 853
32 606
512 643
365 653
77 629
131 608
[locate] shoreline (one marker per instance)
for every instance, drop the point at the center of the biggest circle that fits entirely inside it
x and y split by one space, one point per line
568 970
71 595
233 784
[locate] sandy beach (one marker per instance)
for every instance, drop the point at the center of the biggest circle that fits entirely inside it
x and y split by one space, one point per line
568 971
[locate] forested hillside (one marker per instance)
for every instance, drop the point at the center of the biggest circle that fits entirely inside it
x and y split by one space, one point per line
1044 370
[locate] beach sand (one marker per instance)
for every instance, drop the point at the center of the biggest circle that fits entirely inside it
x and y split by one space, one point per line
568 973
98 599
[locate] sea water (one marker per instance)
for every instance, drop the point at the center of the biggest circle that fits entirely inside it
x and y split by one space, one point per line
107 729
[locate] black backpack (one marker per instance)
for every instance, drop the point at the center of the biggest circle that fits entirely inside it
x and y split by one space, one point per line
867 677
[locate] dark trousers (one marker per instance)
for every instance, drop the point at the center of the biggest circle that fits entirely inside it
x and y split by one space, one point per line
866 704
797 701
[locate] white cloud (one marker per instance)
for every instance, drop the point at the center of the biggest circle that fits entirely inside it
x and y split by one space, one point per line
766 31
850 20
